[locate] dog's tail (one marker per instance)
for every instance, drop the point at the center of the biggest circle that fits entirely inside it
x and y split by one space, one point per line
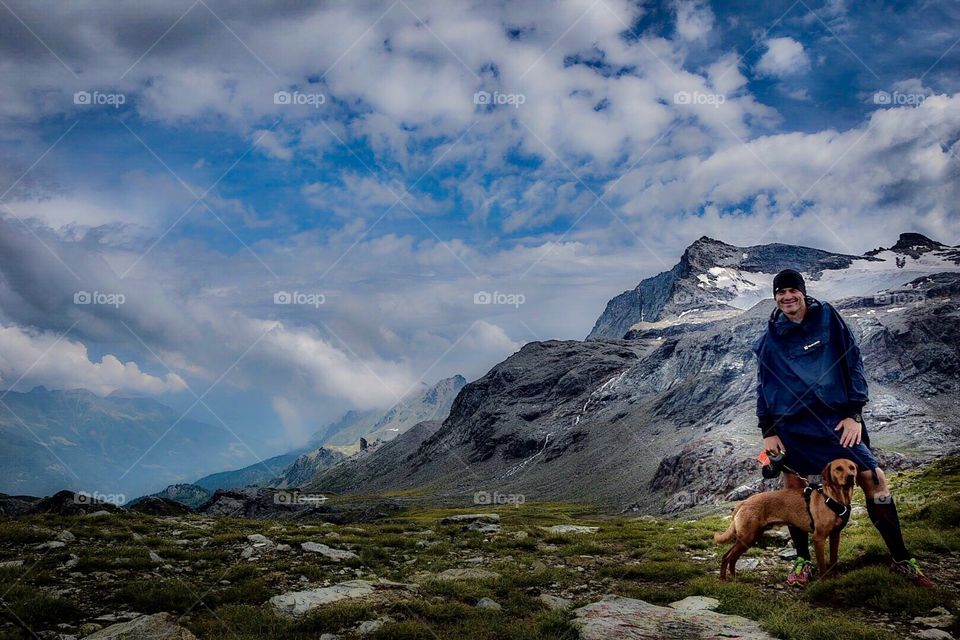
731 533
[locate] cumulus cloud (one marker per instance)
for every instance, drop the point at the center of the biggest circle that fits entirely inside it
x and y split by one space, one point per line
30 358
783 57
694 19
617 100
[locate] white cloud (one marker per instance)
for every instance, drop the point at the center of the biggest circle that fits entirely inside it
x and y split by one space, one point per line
40 358
694 19
783 57
269 142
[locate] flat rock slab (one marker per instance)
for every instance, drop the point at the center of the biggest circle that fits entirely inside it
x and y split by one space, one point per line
570 528
469 573
465 518
615 617
159 626
298 603
696 603
330 552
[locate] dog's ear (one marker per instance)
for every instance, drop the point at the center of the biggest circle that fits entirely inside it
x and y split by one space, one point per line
827 474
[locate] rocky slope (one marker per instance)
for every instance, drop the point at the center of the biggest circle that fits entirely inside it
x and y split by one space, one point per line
664 420
306 466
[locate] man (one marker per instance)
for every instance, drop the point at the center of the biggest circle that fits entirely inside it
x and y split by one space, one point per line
810 392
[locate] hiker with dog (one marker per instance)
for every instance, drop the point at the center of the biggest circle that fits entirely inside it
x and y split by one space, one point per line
811 389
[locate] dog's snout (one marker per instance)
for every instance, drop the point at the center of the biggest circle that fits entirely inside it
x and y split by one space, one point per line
848 483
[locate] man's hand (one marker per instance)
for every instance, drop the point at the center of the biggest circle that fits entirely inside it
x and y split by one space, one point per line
851 432
773 444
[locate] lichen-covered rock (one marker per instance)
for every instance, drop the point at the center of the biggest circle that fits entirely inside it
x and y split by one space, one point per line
159 626
297 603
618 618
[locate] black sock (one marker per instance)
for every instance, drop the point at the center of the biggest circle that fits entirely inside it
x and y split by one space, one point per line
800 542
883 514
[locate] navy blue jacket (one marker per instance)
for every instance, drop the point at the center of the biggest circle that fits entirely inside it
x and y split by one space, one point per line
808 365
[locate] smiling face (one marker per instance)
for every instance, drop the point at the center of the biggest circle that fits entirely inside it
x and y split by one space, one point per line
792 302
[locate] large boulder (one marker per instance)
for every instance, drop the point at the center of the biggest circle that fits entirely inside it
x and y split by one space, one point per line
297 603
618 618
159 626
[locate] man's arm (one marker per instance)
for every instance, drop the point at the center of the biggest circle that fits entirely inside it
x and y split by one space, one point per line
764 418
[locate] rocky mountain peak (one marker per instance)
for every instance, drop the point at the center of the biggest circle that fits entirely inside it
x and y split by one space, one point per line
914 244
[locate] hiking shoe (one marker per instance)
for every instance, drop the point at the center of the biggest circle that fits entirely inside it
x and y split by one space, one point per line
910 569
801 574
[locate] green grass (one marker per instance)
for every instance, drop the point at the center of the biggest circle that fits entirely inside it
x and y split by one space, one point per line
652 560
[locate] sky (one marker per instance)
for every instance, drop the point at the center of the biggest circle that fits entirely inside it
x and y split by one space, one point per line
265 214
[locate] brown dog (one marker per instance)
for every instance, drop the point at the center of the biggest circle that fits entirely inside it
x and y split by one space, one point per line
761 511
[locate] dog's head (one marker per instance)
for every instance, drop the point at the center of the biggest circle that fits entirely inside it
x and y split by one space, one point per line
841 473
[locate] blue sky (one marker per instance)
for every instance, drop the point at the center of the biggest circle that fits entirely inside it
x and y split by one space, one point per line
553 152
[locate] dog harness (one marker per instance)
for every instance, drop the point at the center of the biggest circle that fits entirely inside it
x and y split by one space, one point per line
842 510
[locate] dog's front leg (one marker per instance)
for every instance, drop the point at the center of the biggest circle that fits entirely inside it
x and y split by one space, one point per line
818 540
834 548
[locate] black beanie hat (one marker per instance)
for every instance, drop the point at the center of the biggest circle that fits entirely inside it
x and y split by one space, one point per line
789 279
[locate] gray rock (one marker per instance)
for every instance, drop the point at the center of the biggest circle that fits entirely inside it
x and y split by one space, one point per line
369 626
555 603
66 536
483 527
297 603
469 573
940 618
322 549
618 618
159 626
53 544
788 553
11 564
696 603
933 634
465 518
748 563
487 603
261 541
570 528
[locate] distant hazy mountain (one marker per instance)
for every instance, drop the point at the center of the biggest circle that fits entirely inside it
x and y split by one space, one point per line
53 440
296 467
259 473
427 402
